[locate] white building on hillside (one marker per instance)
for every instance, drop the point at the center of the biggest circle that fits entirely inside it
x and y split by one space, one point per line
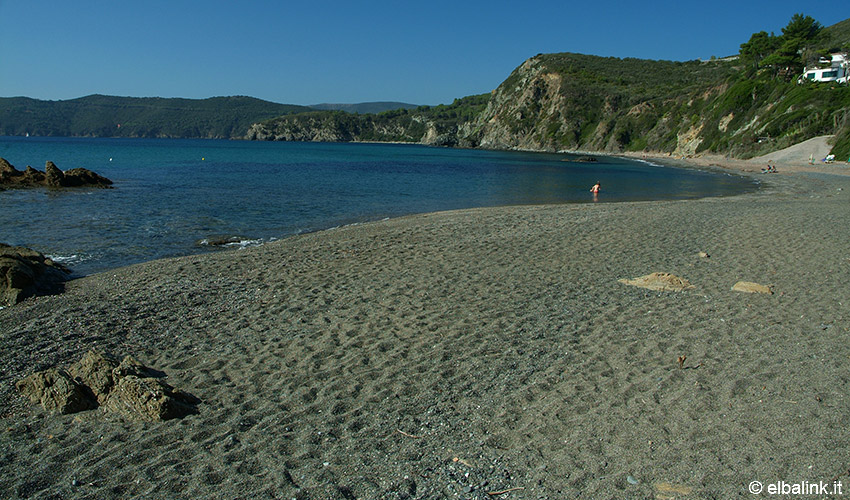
837 71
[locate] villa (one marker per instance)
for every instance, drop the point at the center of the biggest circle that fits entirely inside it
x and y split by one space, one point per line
837 71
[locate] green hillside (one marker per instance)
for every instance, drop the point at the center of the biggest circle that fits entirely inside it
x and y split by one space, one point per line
575 102
742 106
364 107
109 116
837 36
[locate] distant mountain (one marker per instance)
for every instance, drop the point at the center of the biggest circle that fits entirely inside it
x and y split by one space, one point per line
365 107
110 116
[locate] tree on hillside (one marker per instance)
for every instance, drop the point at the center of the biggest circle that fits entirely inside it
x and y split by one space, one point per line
783 53
786 59
802 28
761 45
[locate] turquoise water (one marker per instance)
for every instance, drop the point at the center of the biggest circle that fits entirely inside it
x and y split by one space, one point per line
170 195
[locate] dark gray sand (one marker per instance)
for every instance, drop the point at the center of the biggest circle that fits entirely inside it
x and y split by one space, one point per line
486 353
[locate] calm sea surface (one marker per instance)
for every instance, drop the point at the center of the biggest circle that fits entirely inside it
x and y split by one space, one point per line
170 195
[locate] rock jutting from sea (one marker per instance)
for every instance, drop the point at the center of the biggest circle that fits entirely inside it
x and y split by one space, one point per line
52 177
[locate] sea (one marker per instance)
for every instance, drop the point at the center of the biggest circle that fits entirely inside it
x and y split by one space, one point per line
175 197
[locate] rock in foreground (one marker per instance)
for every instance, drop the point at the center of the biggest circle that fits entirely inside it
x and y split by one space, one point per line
57 391
750 287
660 281
25 272
127 388
52 177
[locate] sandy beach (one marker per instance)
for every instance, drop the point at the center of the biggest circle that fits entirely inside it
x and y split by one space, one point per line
805 157
485 353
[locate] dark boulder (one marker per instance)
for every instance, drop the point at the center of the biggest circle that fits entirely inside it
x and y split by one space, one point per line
54 177
33 176
7 171
82 177
25 272
56 390
221 241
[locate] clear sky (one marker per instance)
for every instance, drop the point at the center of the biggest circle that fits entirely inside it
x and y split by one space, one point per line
316 51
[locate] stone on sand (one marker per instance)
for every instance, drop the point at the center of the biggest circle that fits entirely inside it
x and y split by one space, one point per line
750 287
56 390
25 272
127 388
131 366
94 371
148 399
660 281
671 491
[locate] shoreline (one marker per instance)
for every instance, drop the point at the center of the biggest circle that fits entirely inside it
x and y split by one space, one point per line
794 159
88 257
456 354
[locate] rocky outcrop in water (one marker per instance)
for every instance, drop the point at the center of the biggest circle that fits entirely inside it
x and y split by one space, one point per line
25 272
52 177
126 388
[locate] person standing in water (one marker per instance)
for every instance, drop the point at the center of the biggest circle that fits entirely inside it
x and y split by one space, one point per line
595 190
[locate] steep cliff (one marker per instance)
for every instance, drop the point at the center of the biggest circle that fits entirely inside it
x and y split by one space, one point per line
576 102
579 102
558 102
743 107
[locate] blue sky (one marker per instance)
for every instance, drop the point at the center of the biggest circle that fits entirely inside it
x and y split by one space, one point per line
315 51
